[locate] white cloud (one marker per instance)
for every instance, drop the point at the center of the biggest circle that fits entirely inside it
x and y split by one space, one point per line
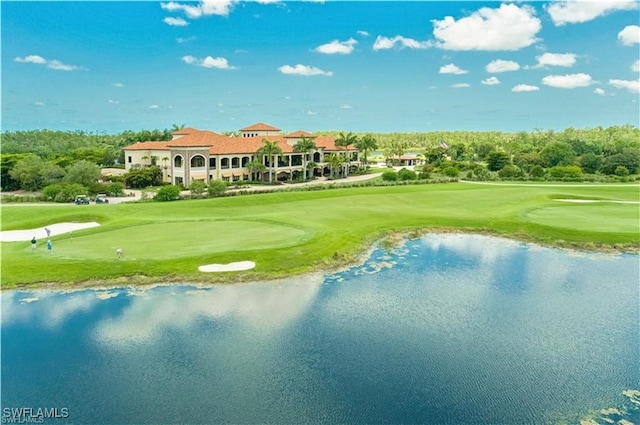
568 81
524 88
451 69
154 107
491 81
345 106
460 85
578 11
599 92
500 65
185 39
635 67
336 46
204 8
363 33
118 84
303 70
115 102
507 28
31 59
556 59
175 22
633 86
630 35
51 64
39 103
208 62
384 43
311 113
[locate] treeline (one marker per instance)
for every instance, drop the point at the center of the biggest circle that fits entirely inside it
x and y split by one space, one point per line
45 157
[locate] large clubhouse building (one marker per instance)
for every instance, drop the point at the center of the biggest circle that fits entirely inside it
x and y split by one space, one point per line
204 155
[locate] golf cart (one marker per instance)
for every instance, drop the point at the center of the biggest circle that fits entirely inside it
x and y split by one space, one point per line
82 200
101 198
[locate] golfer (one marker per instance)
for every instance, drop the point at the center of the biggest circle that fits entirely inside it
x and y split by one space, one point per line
46 229
34 244
119 252
50 247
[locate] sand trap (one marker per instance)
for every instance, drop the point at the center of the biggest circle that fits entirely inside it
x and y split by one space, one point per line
40 233
589 201
231 267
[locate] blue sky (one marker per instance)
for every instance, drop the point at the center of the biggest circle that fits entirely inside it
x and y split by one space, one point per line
350 66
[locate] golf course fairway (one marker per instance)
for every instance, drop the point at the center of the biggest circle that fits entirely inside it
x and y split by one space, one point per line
287 233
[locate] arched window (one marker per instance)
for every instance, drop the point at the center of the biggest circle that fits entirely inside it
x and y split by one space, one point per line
235 162
317 157
177 161
197 161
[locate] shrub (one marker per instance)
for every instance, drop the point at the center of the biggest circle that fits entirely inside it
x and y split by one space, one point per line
537 172
197 187
115 189
450 172
217 188
50 192
168 193
406 174
622 171
390 176
70 191
566 172
509 171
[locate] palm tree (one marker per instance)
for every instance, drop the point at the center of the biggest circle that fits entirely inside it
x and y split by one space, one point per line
344 140
254 167
335 162
176 127
304 146
272 151
365 144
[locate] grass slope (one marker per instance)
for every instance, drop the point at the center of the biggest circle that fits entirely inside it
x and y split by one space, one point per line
296 232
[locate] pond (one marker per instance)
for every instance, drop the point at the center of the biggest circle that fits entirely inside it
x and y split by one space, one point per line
447 329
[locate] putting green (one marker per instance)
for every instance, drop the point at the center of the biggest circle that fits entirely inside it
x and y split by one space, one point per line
596 217
172 240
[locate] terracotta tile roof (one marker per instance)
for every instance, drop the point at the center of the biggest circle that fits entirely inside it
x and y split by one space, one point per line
185 131
201 138
145 146
260 127
300 133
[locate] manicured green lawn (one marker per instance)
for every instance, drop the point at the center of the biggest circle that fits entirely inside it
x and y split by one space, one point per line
296 232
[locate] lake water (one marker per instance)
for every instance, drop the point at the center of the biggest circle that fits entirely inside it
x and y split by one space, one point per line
451 329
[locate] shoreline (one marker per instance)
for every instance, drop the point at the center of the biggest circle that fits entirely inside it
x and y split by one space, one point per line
385 241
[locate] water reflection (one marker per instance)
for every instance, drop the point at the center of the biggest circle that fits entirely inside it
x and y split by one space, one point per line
444 329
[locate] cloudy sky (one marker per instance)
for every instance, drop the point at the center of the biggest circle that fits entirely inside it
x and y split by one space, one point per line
354 66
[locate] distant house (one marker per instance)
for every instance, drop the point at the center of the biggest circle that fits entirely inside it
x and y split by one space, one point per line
205 155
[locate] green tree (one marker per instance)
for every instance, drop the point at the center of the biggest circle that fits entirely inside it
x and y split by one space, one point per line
272 152
496 160
335 162
168 193
26 172
628 158
217 188
256 167
115 189
537 172
51 173
557 153
509 171
590 162
143 177
305 146
366 144
344 141
83 172
7 162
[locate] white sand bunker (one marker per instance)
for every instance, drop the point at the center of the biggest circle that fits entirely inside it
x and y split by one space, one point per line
231 267
591 201
41 233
